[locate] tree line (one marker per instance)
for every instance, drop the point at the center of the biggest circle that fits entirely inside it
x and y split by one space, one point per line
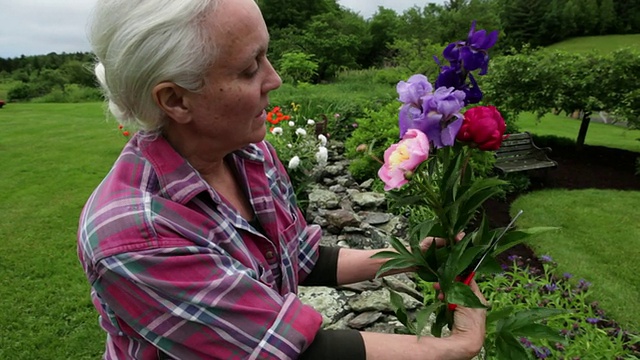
312 40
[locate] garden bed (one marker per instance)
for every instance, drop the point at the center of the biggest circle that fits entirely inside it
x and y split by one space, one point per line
592 167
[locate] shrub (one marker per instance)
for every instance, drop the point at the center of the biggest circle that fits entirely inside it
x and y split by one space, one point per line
72 93
377 130
297 67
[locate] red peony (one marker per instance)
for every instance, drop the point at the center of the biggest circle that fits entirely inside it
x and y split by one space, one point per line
483 126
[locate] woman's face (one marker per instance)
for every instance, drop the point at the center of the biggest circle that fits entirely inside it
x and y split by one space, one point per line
230 110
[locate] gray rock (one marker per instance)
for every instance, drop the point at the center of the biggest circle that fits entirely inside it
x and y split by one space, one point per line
327 301
368 200
376 218
364 319
320 198
342 218
366 185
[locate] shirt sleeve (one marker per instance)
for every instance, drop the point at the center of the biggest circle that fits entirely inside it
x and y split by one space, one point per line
203 306
325 271
336 345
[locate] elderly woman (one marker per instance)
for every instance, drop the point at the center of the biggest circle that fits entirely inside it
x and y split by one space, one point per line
193 244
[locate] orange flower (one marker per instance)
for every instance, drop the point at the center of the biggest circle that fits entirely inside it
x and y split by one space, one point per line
126 133
120 126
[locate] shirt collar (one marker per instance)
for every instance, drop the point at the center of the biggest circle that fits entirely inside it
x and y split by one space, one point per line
176 177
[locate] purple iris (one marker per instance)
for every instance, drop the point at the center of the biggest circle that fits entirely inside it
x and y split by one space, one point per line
472 53
546 259
551 287
454 76
437 114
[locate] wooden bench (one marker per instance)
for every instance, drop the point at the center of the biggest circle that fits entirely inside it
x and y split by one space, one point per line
519 153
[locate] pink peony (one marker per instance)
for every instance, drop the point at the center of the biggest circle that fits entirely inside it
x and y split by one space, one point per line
483 126
403 158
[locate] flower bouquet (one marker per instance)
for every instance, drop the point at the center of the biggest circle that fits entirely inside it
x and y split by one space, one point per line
429 168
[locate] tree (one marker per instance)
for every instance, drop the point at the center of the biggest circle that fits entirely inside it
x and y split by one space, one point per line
607 17
383 29
297 13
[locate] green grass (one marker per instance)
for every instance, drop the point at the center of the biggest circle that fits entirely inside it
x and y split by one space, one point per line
602 44
598 240
598 134
52 156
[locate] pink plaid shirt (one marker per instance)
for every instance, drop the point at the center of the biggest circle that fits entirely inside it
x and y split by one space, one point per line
173 267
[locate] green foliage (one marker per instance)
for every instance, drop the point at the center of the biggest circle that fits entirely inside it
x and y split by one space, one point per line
71 93
296 67
283 13
568 82
416 57
377 130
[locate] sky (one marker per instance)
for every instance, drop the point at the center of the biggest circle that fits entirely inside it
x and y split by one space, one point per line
38 27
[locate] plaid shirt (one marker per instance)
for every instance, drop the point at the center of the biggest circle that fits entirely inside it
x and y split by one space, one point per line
173 267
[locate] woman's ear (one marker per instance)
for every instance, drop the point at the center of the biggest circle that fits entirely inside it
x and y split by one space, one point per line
171 99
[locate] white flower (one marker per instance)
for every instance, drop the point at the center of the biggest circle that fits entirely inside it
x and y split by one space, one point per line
323 140
294 162
311 122
277 131
322 155
301 132
292 124
289 146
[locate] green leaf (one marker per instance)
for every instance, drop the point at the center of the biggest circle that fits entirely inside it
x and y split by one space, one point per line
529 316
497 315
489 266
518 236
468 257
427 275
422 317
441 321
399 247
398 306
386 255
482 236
423 229
539 331
509 348
462 294
395 264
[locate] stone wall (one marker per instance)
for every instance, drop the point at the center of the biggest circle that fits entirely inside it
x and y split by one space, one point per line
353 216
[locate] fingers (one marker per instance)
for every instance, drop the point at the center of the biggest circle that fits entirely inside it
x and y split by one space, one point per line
440 242
426 242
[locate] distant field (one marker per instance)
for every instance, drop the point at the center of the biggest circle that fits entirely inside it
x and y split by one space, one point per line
598 134
602 44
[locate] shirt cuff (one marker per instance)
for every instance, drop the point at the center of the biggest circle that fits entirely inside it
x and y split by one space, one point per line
325 272
336 345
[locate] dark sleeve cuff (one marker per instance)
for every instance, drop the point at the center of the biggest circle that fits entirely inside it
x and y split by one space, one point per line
336 345
325 272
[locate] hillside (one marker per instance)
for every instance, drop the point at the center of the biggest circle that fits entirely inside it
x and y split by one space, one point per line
602 44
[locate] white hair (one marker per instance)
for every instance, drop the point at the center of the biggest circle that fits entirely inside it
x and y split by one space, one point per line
141 43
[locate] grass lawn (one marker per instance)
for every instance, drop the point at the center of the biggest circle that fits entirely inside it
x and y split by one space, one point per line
602 44
598 134
598 240
52 157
